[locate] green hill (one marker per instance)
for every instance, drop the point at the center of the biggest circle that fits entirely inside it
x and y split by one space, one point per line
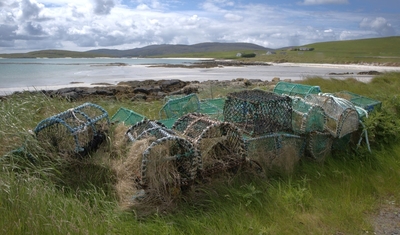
373 50
51 54
182 50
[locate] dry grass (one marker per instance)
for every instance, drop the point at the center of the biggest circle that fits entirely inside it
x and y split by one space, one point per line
128 173
286 160
163 179
120 140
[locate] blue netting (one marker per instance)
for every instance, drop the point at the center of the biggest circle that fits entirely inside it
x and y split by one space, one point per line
75 130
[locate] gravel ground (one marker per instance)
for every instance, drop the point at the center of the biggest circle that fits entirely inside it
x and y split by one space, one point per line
387 220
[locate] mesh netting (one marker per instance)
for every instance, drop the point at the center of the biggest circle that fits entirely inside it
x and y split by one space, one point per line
258 112
146 129
175 108
220 144
294 89
167 163
361 101
307 117
344 142
277 150
128 117
213 108
342 116
168 123
75 131
319 145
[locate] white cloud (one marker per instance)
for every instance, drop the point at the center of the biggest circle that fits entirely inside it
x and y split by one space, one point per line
378 25
30 9
123 24
232 17
103 7
143 7
320 2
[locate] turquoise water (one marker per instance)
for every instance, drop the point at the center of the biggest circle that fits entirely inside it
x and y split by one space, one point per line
52 74
63 71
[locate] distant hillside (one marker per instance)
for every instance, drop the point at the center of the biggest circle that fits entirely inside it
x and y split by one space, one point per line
166 49
52 54
384 51
148 51
388 46
374 50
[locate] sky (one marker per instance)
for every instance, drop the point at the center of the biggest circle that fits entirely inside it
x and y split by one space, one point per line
81 25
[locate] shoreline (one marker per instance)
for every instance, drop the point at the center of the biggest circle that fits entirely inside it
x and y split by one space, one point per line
231 70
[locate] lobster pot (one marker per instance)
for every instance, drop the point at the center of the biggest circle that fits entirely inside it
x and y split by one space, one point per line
295 89
319 145
166 162
213 108
345 142
175 108
220 144
75 131
168 123
277 150
128 117
257 112
307 117
365 103
341 116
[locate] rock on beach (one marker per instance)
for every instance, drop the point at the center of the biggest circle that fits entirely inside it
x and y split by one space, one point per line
147 90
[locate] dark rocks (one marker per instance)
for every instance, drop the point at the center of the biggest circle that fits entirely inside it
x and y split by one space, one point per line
172 85
148 90
213 64
133 90
372 72
346 73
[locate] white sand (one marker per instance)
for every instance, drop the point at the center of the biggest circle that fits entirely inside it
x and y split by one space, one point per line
292 71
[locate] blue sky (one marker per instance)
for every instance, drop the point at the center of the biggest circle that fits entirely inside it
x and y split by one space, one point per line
27 25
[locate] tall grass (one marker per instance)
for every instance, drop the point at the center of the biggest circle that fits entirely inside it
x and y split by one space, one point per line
52 195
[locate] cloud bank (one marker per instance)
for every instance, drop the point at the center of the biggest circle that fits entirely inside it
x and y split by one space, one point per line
321 2
27 25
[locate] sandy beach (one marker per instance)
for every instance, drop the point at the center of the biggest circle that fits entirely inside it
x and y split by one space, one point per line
294 71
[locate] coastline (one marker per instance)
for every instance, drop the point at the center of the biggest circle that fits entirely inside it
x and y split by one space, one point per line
225 72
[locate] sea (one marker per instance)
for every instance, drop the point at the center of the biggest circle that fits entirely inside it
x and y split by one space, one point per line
55 73
63 71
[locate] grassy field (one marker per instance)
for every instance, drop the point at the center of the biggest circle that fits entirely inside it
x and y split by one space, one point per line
374 50
340 196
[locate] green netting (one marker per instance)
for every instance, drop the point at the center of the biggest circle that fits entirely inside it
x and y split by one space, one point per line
364 102
342 117
257 112
168 123
175 108
342 143
275 150
173 97
128 117
220 144
307 117
295 89
319 145
213 108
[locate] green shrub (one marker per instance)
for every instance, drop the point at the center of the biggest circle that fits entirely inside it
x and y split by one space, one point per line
249 55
